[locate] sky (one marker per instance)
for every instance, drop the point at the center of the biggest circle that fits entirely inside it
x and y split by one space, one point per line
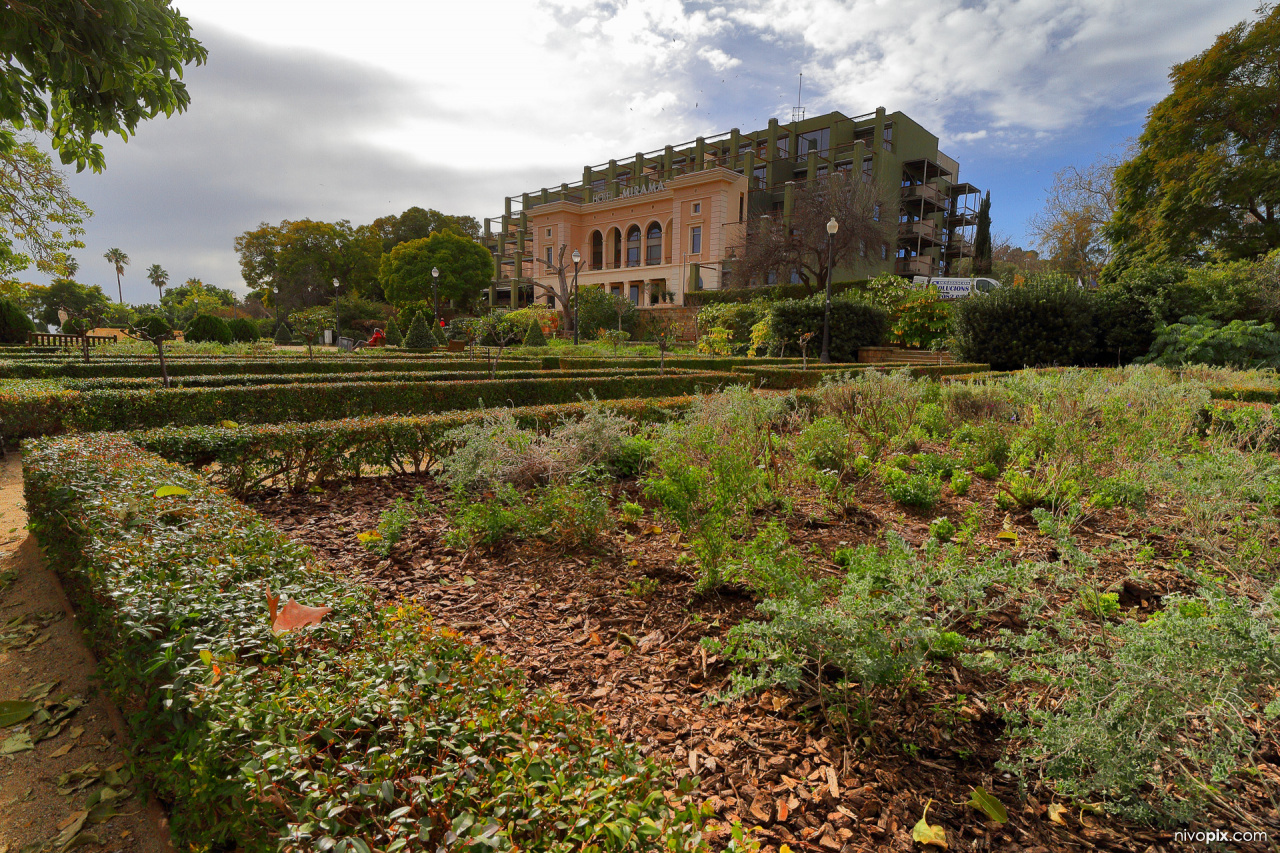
335 111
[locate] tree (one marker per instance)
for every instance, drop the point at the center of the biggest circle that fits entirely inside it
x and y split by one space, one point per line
205 328
311 323
502 330
1205 180
78 68
194 297
800 245
392 333
416 223
15 325
982 239
559 294
82 307
40 221
465 267
418 336
663 329
155 330
1078 206
303 259
117 259
157 275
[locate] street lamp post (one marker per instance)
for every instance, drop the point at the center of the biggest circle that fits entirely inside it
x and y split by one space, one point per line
337 317
577 259
435 294
825 358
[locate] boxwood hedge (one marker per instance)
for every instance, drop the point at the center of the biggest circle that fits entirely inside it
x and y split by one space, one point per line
234 367
29 409
786 378
375 730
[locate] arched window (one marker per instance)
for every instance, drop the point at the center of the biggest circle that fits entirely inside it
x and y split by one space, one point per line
597 250
615 244
633 246
653 244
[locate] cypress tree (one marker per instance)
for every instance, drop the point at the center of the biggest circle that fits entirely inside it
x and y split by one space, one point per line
392 333
283 336
982 240
419 336
535 337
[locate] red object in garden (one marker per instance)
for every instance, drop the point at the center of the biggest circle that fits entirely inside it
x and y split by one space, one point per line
378 339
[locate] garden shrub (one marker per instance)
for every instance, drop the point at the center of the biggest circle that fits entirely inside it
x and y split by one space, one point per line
15 325
853 324
205 328
418 336
392 333
244 330
769 293
1158 713
596 311
367 730
1045 322
737 319
534 337
283 336
1243 344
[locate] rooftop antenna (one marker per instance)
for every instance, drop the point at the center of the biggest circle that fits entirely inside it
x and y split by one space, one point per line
797 112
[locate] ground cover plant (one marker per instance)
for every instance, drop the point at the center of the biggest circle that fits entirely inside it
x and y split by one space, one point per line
1041 605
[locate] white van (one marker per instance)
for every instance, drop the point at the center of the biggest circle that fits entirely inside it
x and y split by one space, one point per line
958 288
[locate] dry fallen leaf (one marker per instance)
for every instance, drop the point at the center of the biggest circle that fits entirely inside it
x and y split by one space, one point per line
1056 811
294 615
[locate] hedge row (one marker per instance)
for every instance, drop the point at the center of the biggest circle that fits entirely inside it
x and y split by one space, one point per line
296 455
34 409
772 293
322 378
232 367
1246 393
374 730
787 378
690 362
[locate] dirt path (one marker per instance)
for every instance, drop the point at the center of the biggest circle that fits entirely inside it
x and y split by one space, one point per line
63 776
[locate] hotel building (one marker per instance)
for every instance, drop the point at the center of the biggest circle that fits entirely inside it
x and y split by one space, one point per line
658 225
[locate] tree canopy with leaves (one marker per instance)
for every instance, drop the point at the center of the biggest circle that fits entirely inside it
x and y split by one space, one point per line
1071 226
773 246
81 68
1205 181
40 220
465 269
303 259
416 223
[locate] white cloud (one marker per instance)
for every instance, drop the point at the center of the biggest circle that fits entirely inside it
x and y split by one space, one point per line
718 59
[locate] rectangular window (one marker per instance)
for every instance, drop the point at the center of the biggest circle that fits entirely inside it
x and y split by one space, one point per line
759 174
814 142
888 136
548 233
697 207
549 261
784 145
634 295
695 240
866 166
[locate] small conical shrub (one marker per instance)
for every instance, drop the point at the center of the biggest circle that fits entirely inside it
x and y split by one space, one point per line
419 336
392 333
283 336
535 337
438 335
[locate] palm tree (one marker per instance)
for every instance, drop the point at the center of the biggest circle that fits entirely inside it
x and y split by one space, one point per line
158 277
119 260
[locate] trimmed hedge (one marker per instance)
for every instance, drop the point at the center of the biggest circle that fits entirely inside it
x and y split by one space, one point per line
121 383
555 362
373 730
205 328
300 455
149 367
786 378
35 409
853 325
772 293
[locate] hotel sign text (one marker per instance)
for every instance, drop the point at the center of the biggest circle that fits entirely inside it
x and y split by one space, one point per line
626 192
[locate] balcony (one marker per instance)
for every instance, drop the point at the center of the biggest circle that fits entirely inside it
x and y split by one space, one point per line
924 192
921 230
919 265
959 247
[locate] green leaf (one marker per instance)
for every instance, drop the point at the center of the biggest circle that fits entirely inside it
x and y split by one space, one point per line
988 805
166 491
14 711
20 742
927 834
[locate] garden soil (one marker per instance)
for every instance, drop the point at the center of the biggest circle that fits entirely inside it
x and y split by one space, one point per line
64 779
618 629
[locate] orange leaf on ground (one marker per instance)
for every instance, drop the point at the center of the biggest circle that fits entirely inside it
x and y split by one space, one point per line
294 615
